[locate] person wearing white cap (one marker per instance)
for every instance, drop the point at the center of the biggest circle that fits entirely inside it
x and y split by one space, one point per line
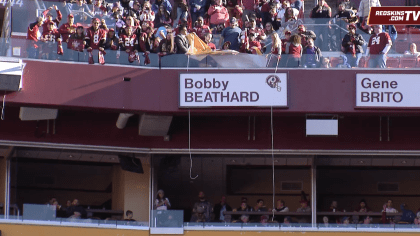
161 202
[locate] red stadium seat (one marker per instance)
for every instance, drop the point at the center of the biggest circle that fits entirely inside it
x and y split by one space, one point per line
408 62
401 29
334 61
393 62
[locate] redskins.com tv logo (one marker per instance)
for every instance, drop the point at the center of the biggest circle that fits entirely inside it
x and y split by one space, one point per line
274 82
394 16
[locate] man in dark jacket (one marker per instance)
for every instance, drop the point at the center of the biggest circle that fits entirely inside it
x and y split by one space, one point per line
305 35
353 46
181 40
322 15
219 210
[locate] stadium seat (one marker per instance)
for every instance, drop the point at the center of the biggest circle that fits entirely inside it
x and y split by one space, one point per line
408 62
393 62
401 29
334 61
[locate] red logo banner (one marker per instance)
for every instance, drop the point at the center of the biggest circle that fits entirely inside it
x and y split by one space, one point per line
394 16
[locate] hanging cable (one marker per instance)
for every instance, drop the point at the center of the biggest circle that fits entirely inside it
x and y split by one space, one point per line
2 108
277 65
189 144
272 158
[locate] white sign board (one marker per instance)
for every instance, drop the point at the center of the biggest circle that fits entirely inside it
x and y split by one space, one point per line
321 127
388 90
233 90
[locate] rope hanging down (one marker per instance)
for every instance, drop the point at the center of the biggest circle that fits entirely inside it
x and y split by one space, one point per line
272 159
189 144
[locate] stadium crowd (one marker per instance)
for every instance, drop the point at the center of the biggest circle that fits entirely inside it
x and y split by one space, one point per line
140 27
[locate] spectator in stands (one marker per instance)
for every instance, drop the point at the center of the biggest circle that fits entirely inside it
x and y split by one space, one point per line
367 220
219 15
389 208
290 21
311 55
378 46
129 215
249 7
199 216
346 220
294 51
181 14
407 216
412 51
111 41
231 34
68 28
220 209
167 45
226 46
363 206
32 37
207 40
51 42
272 17
285 40
325 62
364 8
325 221
163 17
304 206
99 9
200 28
260 206
198 8
49 17
78 9
244 206
391 30
322 15
125 3
147 15
135 11
95 39
117 11
417 219
342 62
276 45
244 219
182 45
158 3
77 43
353 46
297 4
128 42
269 29
349 5
287 220
305 35
161 202
204 205
75 210
252 45
280 207
344 15
257 31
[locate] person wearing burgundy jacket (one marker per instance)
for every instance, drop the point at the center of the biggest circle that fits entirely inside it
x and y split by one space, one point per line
218 14
32 37
49 17
68 28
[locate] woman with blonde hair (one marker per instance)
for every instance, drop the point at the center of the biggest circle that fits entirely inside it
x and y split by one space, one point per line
275 55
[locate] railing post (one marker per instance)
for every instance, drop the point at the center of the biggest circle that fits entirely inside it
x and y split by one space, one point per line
313 192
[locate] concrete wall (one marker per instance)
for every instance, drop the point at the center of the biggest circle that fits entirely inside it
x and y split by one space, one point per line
131 192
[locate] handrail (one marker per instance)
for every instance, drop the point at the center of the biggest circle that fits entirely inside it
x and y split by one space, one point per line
267 212
350 213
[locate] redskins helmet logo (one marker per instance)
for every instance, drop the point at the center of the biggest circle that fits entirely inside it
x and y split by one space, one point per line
274 82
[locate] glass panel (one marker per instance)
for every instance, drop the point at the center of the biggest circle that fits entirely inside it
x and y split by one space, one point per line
221 224
168 218
337 226
132 223
296 225
107 222
39 212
